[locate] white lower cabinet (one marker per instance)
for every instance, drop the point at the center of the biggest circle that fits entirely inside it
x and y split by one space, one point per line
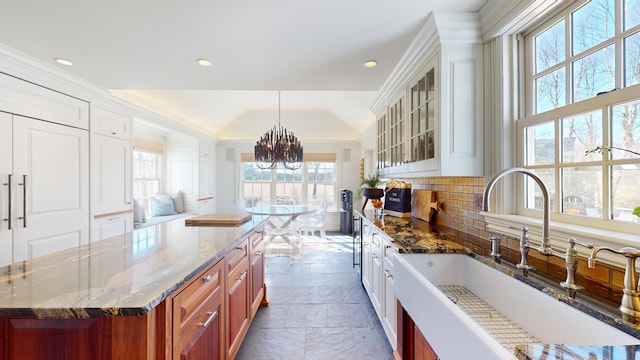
377 277
111 225
389 309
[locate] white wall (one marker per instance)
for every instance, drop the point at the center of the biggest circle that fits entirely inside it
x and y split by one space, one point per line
306 125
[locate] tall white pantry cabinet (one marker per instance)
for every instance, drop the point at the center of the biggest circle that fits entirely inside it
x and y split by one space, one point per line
111 156
44 171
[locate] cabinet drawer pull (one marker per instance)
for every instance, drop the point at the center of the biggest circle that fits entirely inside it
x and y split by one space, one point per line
212 315
388 274
207 278
244 273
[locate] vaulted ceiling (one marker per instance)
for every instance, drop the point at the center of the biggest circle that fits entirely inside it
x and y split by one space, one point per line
145 52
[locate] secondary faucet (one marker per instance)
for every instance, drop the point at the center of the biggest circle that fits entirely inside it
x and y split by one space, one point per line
630 303
545 248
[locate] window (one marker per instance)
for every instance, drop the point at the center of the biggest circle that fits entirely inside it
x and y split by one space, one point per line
582 93
314 180
147 170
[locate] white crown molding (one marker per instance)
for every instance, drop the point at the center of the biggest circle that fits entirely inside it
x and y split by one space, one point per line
439 28
501 17
25 67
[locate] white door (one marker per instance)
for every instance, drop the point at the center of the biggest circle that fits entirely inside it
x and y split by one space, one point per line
6 167
51 170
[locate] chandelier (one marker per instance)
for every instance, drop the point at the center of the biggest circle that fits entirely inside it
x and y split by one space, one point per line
278 146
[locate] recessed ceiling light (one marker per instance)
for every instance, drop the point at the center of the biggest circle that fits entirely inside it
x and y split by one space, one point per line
63 61
204 62
370 63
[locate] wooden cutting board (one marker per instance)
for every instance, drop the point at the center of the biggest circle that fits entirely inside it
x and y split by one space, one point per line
218 220
423 204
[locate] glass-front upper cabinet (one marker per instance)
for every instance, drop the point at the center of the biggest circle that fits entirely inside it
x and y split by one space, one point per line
396 130
422 112
383 161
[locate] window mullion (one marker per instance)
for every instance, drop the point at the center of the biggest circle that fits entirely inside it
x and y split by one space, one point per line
606 167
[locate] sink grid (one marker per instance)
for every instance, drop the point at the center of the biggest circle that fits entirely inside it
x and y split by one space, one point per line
503 330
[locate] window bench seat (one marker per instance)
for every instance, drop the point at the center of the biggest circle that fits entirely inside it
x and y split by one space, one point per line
155 220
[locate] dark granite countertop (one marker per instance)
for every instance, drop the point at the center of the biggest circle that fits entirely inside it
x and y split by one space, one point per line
123 275
416 236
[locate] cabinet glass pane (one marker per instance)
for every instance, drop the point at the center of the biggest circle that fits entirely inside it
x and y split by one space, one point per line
430 85
430 150
431 120
414 97
423 120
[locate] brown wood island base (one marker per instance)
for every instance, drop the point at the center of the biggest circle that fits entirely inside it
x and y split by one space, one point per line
206 315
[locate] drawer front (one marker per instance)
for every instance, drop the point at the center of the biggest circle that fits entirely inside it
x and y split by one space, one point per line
237 256
389 249
194 304
257 238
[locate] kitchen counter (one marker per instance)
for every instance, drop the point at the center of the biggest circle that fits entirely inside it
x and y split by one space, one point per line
123 275
416 236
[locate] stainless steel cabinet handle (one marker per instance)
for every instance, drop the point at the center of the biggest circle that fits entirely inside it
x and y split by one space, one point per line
8 183
24 201
207 278
212 315
388 274
244 273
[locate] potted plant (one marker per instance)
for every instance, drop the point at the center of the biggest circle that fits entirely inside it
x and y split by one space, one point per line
369 187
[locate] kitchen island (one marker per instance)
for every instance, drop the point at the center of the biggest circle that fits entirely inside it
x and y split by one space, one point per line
149 294
410 236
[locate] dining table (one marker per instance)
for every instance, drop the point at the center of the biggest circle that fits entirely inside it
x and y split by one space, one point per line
289 213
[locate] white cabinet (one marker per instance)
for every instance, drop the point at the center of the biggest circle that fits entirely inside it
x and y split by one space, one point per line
110 225
367 233
205 180
110 123
376 294
389 308
110 175
46 170
190 165
6 195
111 156
443 108
377 277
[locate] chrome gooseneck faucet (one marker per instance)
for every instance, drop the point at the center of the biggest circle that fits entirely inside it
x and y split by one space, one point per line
571 254
545 248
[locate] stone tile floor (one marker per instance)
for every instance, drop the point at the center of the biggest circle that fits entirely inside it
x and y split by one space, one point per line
317 309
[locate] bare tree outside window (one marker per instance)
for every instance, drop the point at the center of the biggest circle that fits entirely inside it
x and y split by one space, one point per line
576 70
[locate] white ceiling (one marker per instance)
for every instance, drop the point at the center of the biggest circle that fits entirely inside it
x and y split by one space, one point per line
145 51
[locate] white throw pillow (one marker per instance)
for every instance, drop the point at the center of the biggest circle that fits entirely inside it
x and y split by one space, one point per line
138 212
178 203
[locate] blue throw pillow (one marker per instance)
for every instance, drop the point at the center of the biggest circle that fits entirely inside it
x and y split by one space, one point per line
162 206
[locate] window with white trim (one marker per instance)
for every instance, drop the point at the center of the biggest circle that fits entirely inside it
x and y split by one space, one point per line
147 170
316 179
582 92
